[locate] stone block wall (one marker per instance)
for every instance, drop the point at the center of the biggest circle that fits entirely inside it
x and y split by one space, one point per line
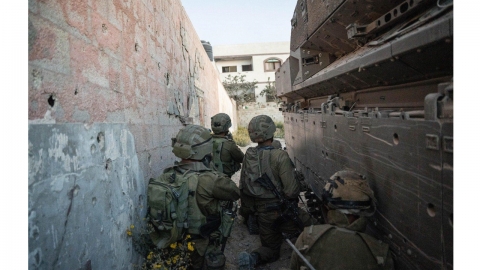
249 110
132 70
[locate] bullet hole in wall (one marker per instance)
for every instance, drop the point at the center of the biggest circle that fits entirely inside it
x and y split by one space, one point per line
431 210
101 140
137 47
108 165
395 139
51 101
76 91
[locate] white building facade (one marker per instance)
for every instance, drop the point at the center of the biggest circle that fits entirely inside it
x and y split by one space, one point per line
257 61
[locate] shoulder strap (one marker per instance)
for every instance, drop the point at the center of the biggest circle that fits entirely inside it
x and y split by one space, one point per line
195 217
217 151
265 167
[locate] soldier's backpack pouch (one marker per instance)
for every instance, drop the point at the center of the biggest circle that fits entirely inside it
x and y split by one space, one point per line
168 201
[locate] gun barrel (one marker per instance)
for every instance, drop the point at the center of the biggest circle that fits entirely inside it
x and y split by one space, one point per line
299 254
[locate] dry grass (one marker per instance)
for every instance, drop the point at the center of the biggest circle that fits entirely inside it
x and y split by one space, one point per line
241 137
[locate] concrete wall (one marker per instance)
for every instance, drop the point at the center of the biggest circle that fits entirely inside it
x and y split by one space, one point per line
110 83
252 109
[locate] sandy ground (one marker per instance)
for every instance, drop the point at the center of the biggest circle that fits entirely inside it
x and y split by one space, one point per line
240 240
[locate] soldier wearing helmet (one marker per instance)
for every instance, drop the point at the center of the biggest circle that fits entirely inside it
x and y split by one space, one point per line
263 160
193 144
277 144
227 156
348 200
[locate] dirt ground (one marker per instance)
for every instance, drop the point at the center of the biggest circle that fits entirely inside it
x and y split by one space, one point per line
240 240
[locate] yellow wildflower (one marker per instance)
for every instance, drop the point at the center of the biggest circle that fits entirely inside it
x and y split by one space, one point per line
150 255
188 236
157 266
131 226
129 233
190 246
173 245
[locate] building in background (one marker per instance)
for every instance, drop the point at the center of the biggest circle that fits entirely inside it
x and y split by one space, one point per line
257 61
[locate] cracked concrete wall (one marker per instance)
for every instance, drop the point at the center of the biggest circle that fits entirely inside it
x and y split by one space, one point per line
106 66
85 190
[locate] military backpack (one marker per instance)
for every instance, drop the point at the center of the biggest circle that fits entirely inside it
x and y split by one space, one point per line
173 208
217 161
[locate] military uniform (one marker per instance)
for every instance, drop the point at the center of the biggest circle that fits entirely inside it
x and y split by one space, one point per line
267 207
193 144
343 246
226 152
212 187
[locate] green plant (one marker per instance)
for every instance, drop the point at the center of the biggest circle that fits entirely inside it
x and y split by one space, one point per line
241 137
239 89
270 91
280 132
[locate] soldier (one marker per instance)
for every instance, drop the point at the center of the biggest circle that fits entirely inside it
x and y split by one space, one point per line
349 200
273 219
277 144
193 144
226 154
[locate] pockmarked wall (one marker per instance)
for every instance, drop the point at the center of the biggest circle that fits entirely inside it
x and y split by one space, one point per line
110 83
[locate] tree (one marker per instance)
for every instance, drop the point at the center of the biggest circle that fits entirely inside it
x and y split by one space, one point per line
239 89
270 91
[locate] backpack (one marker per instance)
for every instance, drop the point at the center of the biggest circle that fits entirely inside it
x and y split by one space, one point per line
217 151
173 208
255 163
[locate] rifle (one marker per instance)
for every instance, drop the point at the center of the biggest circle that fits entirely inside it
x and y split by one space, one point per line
300 254
290 208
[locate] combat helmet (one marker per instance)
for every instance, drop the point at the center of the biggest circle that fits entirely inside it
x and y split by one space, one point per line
349 191
192 142
261 128
221 122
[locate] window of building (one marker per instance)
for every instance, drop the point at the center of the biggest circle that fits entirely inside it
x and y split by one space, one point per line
272 64
247 67
229 69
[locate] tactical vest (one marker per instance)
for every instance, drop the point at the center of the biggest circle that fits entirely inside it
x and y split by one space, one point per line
173 208
255 163
217 160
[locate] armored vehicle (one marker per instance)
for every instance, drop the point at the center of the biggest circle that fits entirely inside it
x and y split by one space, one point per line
368 86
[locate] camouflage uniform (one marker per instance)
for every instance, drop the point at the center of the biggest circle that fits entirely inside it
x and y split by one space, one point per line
229 154
267 207
341 244
193 145
226 154
211 188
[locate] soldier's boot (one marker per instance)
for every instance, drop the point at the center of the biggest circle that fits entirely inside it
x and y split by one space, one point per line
247 261
252 225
